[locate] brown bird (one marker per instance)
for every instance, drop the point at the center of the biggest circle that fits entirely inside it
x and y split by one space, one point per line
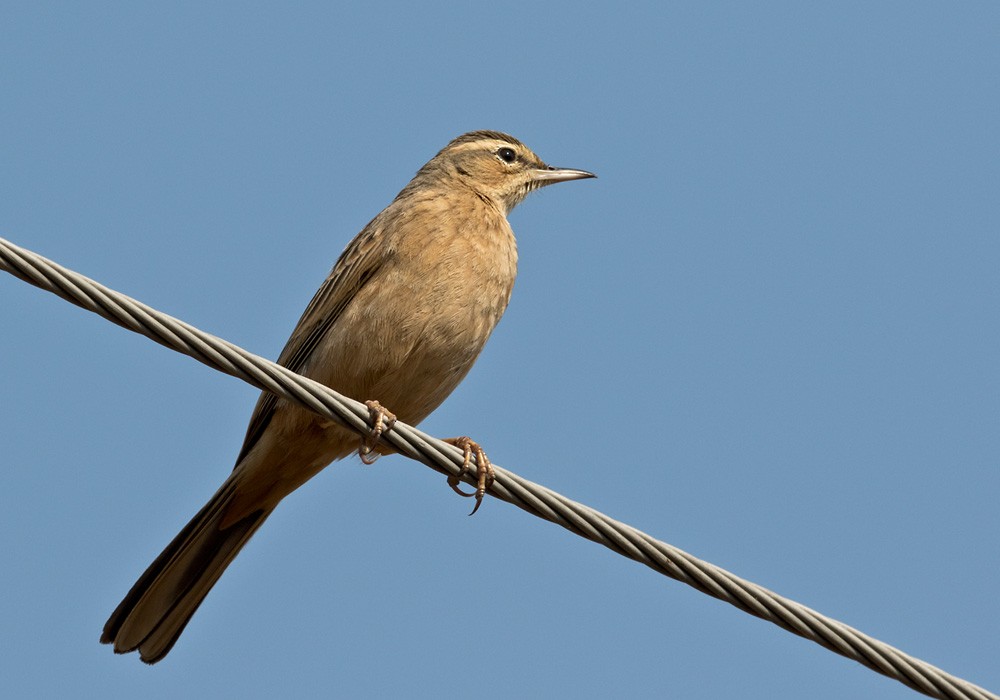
400 320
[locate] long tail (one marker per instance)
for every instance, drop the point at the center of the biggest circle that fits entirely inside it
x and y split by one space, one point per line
160 604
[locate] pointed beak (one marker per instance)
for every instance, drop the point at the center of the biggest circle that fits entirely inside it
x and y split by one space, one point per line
549 175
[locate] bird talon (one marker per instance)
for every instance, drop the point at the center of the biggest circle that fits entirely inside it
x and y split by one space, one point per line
485 475
382 421
453 482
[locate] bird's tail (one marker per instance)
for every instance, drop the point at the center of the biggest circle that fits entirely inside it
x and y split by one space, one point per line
160 604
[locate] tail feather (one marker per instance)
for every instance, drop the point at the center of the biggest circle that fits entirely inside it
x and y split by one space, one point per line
160 604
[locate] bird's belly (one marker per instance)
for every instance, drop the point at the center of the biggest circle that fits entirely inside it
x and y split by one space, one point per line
408 347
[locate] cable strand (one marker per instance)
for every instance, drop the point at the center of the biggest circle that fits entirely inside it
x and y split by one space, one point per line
526 495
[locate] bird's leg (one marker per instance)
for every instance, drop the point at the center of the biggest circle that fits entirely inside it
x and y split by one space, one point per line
484 469
382 421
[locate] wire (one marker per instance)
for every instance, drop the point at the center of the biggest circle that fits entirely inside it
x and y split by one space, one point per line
524 494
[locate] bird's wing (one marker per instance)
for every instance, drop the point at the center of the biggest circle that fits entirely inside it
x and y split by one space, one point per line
357 265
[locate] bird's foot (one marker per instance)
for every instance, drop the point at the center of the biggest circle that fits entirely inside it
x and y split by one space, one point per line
484 470
382 421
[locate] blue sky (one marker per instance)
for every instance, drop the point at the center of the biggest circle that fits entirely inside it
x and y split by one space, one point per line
767 334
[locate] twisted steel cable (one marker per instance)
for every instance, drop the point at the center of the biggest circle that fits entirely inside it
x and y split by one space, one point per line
447 459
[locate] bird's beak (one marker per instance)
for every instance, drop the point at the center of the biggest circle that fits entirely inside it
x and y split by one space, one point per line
549 175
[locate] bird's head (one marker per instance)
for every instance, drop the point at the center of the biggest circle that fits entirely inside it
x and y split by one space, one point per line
497 167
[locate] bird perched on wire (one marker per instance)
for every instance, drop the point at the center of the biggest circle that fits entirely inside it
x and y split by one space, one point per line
399 321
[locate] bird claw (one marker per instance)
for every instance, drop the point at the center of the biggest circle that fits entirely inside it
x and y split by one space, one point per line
382 422
484 470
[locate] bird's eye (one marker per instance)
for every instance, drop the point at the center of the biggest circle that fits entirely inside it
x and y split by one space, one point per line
507 155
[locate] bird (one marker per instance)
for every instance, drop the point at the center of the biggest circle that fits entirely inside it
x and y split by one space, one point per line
399 321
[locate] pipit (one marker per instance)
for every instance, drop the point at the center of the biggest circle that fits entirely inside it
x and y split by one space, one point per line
399 321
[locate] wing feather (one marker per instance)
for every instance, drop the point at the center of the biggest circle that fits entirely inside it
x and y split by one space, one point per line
356 267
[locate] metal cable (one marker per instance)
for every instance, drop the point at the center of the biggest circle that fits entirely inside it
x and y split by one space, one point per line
524 494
